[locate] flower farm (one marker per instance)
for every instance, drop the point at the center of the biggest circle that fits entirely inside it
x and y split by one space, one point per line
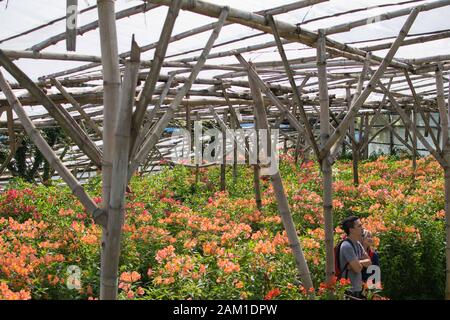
278 109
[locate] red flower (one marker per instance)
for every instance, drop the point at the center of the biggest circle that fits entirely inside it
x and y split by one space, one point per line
272 294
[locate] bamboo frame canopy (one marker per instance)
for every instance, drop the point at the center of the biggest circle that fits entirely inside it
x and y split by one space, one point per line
324 72
73 79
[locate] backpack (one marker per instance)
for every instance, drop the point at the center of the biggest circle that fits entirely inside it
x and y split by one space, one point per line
337 262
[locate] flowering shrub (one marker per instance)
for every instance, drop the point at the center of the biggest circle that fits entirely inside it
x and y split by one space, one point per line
183 240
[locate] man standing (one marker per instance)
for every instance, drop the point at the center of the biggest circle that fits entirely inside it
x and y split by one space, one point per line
352 256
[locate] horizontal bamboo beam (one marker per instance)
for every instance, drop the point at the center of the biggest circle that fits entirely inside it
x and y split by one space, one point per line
24 54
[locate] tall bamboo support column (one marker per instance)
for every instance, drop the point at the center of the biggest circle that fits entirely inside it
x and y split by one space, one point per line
111 96
71 24
391 138
446 155
224 156
277 184
354 147
257 168
189 129
447 229
235 158
325 164
198 150
152 77
116 212
366 133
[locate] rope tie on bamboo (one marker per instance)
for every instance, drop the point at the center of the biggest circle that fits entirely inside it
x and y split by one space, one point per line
328 206
112 83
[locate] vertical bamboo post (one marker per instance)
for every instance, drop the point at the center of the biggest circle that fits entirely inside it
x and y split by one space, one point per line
366 133
152 77
325 164
71 24
391 137
198 145
189 129
256 167
277 184
446 155
354 147
235 159
116 212
111 98
11 133
224 156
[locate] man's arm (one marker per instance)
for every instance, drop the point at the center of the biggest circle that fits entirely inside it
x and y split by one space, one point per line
357 265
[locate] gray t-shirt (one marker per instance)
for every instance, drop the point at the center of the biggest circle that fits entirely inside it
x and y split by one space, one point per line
349 253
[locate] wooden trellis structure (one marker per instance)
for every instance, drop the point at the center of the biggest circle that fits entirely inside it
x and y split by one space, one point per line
116 107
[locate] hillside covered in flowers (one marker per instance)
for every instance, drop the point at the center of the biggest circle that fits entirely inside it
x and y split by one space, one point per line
184 240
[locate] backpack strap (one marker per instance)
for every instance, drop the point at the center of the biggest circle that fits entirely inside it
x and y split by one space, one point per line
346 265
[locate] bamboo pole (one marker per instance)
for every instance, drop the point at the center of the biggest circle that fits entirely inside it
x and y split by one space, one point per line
223 164
92 26
391 139
136 10
153 137
140 138
11 133
111 100
446 155
71 24
447 229
441 106
409 123
322 17
60 114
152 77
385 16
342 128
297 96
277 184
44 25
50 155
266 90
23 54
325 164
77 107
287 31
418 107
407 42
116 212
365 142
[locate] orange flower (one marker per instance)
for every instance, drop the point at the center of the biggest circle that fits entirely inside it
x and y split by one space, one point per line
130 277
140 291
165 253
